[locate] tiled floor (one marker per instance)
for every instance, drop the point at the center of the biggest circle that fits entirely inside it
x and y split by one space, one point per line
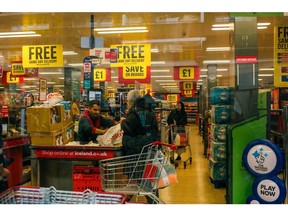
194 185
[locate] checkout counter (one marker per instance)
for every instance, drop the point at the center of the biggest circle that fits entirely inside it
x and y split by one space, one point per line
58 165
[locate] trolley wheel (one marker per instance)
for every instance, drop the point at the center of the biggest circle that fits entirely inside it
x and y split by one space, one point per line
190 160
185 165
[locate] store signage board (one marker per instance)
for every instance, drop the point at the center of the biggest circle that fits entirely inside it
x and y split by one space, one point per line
102 74
188 85
17 69
140 79
42 56
261 157
134 59
10 79
269 190
73 154
187 73
173 98
280 56
102 53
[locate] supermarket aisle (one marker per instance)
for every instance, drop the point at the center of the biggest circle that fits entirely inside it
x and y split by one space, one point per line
194 185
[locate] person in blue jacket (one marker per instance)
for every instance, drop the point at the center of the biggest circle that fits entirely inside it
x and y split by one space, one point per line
92 123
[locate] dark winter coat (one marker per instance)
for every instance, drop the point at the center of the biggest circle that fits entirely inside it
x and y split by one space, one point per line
137 134
180 117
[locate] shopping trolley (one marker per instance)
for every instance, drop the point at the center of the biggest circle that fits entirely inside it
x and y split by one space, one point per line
41 195
180 137
136 174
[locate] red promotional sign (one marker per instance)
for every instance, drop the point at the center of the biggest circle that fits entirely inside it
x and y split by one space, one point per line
73 154
5 111
188 93
8 78
187 73
246 59
173 98
121 79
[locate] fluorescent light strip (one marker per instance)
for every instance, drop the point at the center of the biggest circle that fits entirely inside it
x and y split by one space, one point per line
216 62
218 70
76 64
266 69
163 84
69 53
154 50
164 80
158 62
160 71
168 40
161 76
263 24
116 32
16 36
221 29
50 73
262 27
265 75
214 49
17 33
120 29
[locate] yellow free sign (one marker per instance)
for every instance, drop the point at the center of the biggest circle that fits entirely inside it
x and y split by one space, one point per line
132 54
172 98
99 74
18 69
11 79
186 73
42 56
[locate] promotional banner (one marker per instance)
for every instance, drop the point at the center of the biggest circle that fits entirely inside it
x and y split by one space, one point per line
42 56
17 69
187 73
173 98
137 78
102 53
135 61
8 78
280 56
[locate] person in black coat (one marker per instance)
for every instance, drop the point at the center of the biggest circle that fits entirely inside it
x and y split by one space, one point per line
177 118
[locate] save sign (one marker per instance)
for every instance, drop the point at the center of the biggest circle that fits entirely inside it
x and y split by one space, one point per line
134 58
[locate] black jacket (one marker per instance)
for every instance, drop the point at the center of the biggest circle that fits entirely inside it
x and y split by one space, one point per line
180 117
135 133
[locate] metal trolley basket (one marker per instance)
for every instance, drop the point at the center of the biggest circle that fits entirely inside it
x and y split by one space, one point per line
40 195
137 174
183 143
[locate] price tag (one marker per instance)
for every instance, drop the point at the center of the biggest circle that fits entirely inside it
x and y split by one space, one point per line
172 98
99 74
11 79
186 72
187 85
18 69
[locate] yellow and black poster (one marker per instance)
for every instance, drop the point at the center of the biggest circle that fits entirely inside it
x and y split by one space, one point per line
42 56
134 59
281 56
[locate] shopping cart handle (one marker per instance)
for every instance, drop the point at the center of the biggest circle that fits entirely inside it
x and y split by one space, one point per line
171 146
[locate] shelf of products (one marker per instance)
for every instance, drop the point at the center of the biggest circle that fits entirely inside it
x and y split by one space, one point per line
191 109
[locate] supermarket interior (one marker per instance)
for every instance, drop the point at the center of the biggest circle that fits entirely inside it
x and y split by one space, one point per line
228 69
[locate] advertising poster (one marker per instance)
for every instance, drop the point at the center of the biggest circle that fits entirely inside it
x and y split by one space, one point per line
280 56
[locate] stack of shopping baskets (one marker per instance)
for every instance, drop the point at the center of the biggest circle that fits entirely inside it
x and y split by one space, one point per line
40 195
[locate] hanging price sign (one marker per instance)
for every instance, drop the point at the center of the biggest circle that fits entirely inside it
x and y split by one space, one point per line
11 79
172 98
186 72
99 74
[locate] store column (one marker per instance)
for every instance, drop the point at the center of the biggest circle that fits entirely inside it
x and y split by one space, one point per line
246 71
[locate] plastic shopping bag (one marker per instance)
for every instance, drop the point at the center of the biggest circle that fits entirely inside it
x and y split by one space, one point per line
112 137
168 176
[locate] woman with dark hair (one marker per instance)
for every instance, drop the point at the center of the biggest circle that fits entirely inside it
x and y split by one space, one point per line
177 118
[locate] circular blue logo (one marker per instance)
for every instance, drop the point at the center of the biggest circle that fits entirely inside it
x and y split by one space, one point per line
261 157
